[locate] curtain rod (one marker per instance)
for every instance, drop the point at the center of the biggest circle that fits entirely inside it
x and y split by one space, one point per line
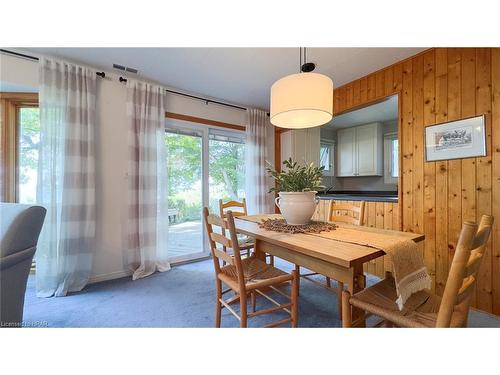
121 79
17 54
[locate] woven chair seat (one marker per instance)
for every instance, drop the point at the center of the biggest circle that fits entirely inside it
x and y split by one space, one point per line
254 271
420 310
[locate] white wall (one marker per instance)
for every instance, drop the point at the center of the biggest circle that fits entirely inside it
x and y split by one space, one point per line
18 75
111 152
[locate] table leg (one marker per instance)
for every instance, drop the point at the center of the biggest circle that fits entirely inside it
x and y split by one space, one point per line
357 284
259 254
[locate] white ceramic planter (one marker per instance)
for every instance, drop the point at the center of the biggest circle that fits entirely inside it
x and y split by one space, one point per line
297 207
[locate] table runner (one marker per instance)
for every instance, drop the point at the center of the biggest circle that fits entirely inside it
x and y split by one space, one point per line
409 270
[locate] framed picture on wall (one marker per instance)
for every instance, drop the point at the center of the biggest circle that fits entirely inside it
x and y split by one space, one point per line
458 139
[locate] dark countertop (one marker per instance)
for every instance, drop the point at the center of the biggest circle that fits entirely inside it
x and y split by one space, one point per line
368 196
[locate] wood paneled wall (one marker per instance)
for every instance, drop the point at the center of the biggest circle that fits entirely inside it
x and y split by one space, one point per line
383 215
439 85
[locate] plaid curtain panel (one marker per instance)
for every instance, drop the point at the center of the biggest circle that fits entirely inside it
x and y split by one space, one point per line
66 177
147 211
259 149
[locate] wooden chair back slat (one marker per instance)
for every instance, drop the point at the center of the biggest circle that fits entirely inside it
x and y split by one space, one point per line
220 254
223 240
347 213
233 204
346 207
236 213
214 220
481 238
473 264
466 289
462 276
345 219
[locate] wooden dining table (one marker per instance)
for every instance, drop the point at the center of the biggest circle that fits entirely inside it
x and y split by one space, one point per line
341 261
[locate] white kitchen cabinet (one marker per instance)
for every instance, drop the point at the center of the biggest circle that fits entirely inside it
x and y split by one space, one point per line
301 145
346 146
360 151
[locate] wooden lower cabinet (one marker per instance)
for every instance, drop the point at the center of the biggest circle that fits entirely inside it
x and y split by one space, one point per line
383 215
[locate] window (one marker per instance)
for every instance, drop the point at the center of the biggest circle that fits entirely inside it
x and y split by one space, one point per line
29 138
326 157
19 133
391 158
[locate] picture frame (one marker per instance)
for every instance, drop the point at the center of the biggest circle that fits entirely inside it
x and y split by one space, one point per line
459 139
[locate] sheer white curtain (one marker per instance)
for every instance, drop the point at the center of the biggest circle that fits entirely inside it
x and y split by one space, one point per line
259 148
148 208
66 177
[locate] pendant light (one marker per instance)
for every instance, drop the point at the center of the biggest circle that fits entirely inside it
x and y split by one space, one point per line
302 100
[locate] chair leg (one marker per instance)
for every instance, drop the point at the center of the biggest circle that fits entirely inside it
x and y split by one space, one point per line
328 282
340 289
243 310
253 297
218 304
297 270
346 310
295 299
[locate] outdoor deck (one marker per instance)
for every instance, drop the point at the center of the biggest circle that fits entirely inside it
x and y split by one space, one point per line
185 238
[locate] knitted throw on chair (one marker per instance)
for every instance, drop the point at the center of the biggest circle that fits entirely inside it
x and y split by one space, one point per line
408 267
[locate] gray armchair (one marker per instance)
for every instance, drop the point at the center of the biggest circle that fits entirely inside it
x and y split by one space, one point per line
20 226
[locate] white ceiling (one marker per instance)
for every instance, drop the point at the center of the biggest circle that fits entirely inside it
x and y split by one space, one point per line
238 75
386 110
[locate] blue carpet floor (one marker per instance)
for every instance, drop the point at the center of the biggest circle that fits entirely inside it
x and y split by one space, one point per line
182 297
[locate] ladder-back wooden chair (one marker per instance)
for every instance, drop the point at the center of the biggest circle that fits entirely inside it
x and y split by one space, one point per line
245 243
345 213
247 276
424 308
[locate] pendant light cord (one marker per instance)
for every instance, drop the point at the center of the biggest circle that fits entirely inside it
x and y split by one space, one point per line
300 58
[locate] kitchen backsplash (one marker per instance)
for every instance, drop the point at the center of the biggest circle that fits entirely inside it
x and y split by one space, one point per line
367 184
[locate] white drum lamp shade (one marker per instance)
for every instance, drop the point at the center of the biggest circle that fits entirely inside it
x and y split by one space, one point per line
302 100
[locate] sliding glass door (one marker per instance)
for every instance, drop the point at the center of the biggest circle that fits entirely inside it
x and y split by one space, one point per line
185 193
204 165
226 168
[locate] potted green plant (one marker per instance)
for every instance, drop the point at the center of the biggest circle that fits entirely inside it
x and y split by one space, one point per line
297 186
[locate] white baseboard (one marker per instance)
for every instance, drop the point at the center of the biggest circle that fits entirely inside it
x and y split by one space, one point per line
110 276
